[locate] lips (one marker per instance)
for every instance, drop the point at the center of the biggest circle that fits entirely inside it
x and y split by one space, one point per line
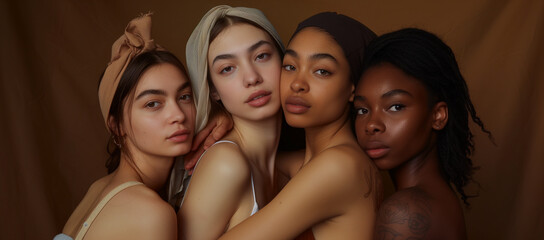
296 105
259 98
179 136
375 149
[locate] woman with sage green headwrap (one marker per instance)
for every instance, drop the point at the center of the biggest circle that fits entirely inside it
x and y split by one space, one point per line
147 104
234 61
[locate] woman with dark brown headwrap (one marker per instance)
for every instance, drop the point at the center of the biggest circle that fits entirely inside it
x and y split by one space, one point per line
146 100
335 188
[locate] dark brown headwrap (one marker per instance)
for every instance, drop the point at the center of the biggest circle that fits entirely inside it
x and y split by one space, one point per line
349 33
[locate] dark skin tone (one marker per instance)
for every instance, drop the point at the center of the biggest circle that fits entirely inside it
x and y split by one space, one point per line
397 124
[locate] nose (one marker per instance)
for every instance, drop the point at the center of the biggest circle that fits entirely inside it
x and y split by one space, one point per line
374 124
252 77
299 84
176 114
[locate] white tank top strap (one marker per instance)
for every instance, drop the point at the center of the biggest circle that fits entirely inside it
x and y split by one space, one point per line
101 205
222 141
255 205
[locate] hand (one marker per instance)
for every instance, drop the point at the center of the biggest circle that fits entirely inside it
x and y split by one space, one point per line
218 126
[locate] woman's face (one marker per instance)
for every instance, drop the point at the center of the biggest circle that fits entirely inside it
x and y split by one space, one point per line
244 66
394 121
315 85
162 113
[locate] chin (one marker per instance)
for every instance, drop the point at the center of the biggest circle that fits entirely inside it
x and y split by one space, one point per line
296 121
383 164
181 150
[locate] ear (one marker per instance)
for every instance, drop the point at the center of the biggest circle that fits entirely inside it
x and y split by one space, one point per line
352 92
440 115
113 127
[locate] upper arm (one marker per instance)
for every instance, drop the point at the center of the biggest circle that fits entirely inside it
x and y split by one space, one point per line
320 191
214 193
158 222
404 214
137 213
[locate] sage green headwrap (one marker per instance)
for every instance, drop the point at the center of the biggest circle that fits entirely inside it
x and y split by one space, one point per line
197 52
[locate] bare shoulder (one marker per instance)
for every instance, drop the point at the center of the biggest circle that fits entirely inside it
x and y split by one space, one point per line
223 160
346 169
344 160
405 214
141 213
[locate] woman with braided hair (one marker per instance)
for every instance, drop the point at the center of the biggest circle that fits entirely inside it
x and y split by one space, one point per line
412 119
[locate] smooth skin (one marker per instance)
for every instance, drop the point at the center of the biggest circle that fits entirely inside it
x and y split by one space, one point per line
332 190
396 126
159 108
244 67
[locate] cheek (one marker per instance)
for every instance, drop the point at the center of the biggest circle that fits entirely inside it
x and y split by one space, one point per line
143 126
360 125
285 85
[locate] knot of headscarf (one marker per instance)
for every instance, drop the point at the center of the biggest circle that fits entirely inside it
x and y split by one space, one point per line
197 52
136 40
352 36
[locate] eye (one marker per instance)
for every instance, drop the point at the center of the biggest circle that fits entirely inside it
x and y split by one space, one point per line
396 107
186 97
361 111
288 67
227 69
323 72
262 56
152 104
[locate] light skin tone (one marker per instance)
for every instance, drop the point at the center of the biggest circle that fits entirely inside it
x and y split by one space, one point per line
397 124
159 123
244 67
330 190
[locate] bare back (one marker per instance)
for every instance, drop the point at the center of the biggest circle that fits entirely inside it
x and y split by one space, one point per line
421 213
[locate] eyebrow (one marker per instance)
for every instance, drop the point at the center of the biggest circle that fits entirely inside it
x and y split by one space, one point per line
385 95
250 49
316 56
291 52
396 92
161 92
359 98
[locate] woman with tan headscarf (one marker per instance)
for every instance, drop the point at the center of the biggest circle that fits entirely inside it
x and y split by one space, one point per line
234 60
146 100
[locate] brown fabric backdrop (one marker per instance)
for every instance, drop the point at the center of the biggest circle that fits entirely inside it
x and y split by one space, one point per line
53 138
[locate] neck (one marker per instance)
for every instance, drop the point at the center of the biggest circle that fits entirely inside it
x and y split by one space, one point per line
153 171
258 140
418 171
319 138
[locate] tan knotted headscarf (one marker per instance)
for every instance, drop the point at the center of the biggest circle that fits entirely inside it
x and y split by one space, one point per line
135 41
197 52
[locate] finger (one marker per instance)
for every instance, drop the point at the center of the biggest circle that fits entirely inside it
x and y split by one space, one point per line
202 135
191 159
210 140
